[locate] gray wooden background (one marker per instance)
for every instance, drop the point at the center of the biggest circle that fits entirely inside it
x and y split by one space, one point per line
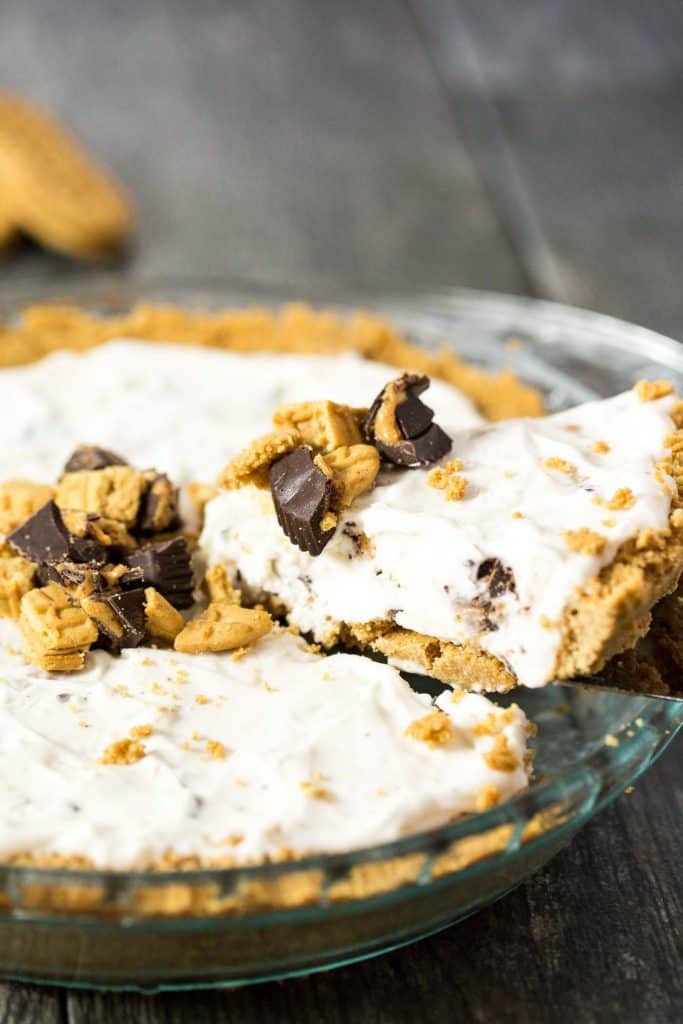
532 146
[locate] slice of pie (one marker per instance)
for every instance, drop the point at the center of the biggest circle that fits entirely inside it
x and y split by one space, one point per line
490 555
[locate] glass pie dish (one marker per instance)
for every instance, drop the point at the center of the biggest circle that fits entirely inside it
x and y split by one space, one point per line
156 930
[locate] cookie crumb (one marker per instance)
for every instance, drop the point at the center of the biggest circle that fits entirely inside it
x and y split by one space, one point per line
314 788
499 757
561 465
219 587
651 390
435 729
601 447
201 699
138 732
446 479
487 797
123 752
223 627
585 541
622 499
215 750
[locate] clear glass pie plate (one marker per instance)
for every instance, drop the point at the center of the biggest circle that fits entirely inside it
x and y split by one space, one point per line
156 930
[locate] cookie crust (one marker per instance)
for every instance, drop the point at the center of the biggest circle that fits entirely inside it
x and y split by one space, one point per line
295 329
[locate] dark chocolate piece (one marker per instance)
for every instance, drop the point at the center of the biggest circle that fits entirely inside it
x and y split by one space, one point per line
75 574
499 578
159 506
89 456
418 451
128 607
165 566
301 495
413 416
424 441
45 538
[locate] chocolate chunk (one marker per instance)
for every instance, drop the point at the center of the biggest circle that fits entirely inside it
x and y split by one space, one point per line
45 538
499 578
159 505
166 566
418 451
127 609
400 425
94 578
413 416
89 456
301 495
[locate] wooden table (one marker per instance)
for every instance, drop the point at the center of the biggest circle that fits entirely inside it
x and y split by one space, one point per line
533 147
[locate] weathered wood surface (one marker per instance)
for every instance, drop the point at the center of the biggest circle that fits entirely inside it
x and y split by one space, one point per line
531 146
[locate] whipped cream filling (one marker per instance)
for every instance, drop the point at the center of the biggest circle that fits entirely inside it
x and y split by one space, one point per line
529 481
182 409
281 750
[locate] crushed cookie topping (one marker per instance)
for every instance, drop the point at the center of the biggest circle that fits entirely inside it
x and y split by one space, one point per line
500 757
20 499
114 492
84 569
324 425
352 469
215 750
600 448
219 587
487 797
316 464
250 467
561 465
57 632
163 621
401 425
435 729
651 390
123 752
447 479
223 627
314 788
585 541
622 499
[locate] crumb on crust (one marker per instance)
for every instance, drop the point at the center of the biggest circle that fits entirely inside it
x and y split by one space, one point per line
585 541
296 328
651 390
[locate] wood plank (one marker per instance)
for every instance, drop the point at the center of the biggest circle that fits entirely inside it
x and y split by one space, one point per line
279 140
28 1004
573 116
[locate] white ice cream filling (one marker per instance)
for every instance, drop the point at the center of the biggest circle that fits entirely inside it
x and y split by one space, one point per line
425 564
286 724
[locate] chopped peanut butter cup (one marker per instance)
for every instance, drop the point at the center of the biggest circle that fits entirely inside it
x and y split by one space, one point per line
302 494
402 427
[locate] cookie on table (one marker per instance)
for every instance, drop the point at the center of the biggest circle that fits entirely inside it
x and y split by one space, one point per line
52 189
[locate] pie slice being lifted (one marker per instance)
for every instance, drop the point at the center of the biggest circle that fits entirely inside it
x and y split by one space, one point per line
514 552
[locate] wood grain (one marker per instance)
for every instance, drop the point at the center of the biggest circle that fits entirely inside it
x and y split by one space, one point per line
273 140
572 117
